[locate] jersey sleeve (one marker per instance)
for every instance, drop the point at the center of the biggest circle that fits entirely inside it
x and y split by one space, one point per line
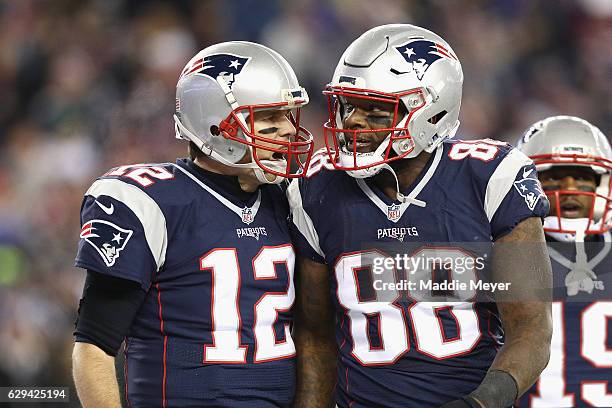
123 232
514 194
303 233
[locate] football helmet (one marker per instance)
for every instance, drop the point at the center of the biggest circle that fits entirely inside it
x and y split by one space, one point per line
408 66
571 141
216 95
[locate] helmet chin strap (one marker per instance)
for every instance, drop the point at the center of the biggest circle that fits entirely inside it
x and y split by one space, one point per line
575 226
581 277
398 195
400 147
372 171
259 172
261 175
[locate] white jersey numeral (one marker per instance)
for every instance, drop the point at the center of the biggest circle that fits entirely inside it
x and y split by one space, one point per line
391 321
393 331
142 174
551 386
483 150
268 306
594 328
225 310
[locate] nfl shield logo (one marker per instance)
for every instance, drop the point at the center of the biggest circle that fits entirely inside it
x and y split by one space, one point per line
247 215
393 212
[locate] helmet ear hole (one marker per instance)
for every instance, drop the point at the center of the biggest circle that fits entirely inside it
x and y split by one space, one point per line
437 117
214 130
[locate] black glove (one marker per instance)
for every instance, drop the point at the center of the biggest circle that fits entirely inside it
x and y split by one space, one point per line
463 402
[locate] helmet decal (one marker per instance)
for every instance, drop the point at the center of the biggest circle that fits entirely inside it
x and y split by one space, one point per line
421 54
218 65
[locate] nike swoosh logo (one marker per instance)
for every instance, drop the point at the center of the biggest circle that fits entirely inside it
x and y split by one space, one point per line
527 173
108 210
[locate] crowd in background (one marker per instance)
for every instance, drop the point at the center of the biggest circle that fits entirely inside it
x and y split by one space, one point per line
89 85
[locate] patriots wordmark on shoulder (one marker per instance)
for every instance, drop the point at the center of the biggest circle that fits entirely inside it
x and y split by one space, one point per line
421 54
218 65
530 190
107 238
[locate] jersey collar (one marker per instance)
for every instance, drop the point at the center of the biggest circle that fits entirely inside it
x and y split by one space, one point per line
394 211
247 213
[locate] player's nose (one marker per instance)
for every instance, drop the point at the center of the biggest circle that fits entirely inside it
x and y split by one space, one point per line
568 183
286 129
356 120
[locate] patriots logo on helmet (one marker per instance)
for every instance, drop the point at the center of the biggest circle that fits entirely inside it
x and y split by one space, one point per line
530 132
421 54
226 66
530 190
107 238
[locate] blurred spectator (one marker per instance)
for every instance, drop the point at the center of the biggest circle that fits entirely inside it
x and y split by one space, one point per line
88 85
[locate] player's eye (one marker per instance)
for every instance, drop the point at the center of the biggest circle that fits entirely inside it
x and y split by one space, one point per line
548 186
587 188
378 119
348 109
268 131
584 179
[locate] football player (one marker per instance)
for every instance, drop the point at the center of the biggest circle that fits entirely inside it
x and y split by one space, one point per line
574 161
191 262
391 177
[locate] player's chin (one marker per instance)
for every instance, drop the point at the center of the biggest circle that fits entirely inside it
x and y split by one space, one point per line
574 215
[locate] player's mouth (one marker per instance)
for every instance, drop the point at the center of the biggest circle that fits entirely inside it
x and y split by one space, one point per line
571 209
362 144
276 156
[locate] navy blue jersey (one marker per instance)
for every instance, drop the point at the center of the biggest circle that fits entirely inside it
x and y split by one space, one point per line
579 373
214 329
393 350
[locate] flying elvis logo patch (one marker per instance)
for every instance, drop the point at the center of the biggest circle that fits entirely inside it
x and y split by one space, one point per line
530 189
107 238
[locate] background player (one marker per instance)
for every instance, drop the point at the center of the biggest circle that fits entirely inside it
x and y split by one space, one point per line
191 262
394 104
574 161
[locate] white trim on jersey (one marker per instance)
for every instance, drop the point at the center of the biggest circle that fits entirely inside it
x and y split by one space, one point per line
301 219
144 207
234 208
502 180
413 194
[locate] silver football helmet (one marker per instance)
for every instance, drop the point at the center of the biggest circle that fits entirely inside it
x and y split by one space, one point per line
571 141
406 65
216 95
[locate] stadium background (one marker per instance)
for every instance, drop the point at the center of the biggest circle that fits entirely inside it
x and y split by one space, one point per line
89 85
